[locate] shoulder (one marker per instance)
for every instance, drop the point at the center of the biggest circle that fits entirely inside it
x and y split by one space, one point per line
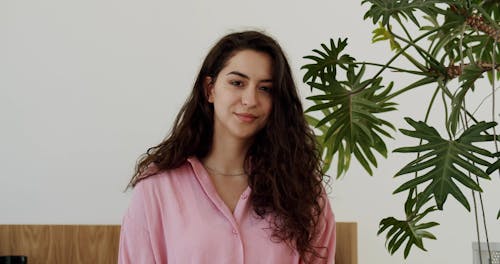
155 177
326 206
163 188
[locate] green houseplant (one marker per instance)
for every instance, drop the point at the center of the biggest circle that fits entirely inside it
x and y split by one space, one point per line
455 44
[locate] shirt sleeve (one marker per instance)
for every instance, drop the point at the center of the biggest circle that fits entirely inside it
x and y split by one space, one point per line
135 241
325 241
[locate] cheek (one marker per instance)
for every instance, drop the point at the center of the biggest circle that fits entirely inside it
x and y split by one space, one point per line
268 106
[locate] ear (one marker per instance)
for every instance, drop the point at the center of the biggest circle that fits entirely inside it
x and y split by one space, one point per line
208 85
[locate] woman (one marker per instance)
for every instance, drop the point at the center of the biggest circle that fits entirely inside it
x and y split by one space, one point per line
238 180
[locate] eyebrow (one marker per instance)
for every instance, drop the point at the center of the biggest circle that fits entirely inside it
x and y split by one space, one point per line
246 76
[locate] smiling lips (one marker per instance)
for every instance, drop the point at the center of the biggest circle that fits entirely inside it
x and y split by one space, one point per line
245 117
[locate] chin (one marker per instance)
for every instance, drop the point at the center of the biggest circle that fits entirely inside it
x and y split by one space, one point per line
244 135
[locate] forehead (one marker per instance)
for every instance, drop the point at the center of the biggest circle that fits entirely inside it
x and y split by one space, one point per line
252 63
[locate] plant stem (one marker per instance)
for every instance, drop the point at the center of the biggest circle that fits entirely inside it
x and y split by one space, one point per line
477 225
426 118
410 40
462 31
484 99
476 217
427 113
446 116
465 125
484 221
494 76
394 58
391 67
429 57
416 84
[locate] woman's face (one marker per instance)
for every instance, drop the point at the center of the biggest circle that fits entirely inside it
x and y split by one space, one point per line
241 95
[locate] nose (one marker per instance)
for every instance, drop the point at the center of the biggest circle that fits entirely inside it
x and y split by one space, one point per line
249 97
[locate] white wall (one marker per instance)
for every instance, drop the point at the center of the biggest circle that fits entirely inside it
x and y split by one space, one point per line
88 86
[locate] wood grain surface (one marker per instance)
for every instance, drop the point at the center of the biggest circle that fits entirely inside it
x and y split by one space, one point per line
98 244
72 244
347 243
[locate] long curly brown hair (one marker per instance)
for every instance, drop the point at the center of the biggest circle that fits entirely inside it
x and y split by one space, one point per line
285 173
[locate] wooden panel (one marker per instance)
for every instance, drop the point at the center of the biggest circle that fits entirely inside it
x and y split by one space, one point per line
78 244
86 244
347 243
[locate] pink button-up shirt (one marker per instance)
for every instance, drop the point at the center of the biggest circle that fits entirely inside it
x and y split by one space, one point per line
176 216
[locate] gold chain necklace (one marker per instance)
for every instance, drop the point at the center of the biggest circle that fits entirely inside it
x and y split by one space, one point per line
224 174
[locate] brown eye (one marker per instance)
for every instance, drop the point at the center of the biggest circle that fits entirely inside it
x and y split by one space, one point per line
237 83
265 89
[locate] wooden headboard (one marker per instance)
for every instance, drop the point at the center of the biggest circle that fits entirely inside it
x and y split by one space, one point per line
98 244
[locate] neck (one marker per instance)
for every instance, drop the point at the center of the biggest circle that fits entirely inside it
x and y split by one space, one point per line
227 155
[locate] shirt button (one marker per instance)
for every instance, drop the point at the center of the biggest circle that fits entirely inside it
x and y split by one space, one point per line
244 196
235 232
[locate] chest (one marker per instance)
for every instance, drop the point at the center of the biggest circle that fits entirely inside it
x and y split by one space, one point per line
230 190
190 221
207 235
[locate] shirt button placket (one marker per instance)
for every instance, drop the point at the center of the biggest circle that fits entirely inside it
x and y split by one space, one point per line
242 253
